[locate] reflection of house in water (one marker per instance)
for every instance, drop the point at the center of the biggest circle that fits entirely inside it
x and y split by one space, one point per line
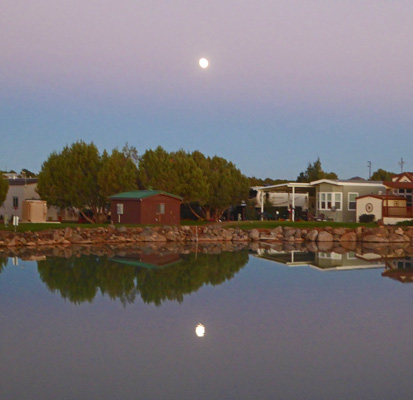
291 258
322 261
400 269
151 261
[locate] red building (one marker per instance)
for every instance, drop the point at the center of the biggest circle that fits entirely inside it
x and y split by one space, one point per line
146 207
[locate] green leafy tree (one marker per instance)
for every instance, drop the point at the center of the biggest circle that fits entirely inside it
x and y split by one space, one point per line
382 175
314 172
69 178
82 178
28 174
253 181
227 186
118 173
4 188
208 185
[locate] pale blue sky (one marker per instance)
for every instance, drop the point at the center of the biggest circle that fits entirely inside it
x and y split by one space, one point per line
288 81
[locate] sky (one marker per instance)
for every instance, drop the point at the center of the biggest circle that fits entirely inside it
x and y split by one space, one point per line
287 82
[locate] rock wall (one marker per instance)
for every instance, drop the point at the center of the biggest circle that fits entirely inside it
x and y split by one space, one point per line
213 233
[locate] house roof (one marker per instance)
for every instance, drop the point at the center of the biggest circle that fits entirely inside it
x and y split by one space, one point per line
22 181
408 175
348 182
398 185
382 197
305 187
142 194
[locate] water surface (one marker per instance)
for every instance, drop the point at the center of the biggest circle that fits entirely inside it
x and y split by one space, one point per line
123 327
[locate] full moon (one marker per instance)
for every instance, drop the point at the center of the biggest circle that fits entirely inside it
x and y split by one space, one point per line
203 63
200 330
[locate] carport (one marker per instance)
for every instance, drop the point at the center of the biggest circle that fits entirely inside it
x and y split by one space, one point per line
291 188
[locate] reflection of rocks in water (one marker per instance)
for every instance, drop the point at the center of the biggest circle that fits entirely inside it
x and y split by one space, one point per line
27 253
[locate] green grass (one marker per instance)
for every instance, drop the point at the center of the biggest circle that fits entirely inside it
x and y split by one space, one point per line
29 227
245 225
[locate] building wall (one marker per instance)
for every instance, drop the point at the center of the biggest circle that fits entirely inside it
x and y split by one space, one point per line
345 214
147 210
150 210
376 210
21 192
34 211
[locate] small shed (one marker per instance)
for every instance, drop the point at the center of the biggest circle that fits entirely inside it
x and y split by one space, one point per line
146 207
34 211
384 207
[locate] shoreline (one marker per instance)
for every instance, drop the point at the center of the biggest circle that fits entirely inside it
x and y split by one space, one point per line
213 233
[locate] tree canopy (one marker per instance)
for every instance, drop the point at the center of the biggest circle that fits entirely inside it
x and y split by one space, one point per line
4 188
265 182
27 173
315 172
382 175
208 184
79 176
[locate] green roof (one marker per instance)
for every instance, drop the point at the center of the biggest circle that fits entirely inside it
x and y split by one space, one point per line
142 194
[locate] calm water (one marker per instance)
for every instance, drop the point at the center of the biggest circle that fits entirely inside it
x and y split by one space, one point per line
291 325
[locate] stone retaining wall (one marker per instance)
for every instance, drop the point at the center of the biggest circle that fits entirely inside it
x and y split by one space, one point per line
184 234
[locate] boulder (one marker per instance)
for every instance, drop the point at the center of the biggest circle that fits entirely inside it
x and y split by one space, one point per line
395 238
312 236
254 234
324 236
349 237
375 239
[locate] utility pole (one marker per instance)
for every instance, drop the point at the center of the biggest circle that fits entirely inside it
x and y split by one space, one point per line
401 163
369 167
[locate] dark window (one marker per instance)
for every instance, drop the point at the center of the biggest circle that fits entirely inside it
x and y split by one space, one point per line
15 202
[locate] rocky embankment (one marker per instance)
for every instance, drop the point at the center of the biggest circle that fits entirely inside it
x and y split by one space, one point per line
213 233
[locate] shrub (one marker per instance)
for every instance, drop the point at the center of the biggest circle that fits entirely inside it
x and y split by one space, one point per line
365 218
405 223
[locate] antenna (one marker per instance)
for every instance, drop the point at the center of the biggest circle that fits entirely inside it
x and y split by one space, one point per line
401 163
369 167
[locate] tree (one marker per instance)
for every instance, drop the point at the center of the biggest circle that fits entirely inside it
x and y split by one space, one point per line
253 181
208 185
4 188
227 186
82 178
314 172
382 175
28 174
118 173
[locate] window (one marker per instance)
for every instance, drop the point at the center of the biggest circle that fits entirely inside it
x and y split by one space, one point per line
328 200
15 202
352 201
160 208
119 208
337 201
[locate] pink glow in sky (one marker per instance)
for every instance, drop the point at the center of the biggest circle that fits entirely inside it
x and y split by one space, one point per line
288 74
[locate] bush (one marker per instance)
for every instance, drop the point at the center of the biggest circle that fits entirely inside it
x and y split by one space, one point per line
405 223
366 218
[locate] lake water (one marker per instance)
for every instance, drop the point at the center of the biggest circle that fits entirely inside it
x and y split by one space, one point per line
278 325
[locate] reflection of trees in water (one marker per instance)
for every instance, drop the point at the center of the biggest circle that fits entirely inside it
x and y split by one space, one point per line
79 279
194 271
3 263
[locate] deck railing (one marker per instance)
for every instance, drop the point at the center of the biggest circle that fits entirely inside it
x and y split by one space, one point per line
398 212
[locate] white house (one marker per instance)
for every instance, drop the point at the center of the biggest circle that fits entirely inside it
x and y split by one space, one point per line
327 199
24 202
